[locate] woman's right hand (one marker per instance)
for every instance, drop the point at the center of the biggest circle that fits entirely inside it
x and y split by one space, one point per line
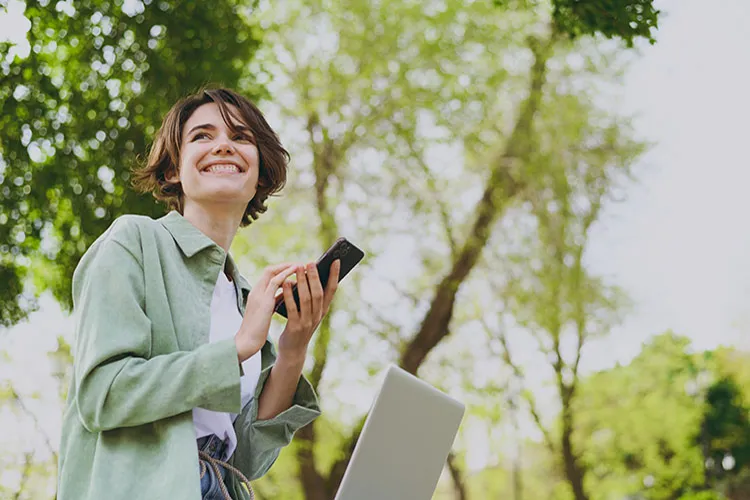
259 308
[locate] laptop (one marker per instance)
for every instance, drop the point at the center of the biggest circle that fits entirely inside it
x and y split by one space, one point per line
404 443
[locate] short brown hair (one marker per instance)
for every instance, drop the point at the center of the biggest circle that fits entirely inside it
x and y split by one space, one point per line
164 158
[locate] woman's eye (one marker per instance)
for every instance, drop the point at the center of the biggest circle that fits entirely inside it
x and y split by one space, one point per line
242 137
199 135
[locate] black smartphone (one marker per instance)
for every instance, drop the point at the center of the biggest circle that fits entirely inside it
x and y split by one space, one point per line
342 249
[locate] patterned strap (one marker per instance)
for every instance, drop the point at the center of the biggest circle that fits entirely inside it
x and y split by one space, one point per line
215 463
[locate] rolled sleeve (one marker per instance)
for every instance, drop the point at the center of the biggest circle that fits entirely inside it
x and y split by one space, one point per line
305 408
262 440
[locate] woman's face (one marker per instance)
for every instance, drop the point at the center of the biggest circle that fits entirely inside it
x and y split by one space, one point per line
217 166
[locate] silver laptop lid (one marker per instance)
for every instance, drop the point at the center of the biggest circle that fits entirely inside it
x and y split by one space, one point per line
404 443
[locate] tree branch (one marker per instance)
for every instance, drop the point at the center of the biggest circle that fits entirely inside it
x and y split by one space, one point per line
518 373
339 467
24 475
459 484
389 328
580 313
323 167
37 425
503 184
445 218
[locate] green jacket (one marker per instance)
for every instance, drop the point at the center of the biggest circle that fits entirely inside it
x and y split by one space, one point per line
142 295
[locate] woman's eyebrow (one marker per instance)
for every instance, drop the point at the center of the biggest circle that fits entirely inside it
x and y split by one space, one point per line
243 128
209 126
201 126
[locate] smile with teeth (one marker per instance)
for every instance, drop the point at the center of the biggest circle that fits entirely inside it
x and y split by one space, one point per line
223 168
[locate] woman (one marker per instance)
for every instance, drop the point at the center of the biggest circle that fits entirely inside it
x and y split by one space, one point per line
177 392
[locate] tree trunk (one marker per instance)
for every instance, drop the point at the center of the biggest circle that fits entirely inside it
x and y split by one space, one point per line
517 464
459 486
517 478
573 470
313 483
25 473
503 184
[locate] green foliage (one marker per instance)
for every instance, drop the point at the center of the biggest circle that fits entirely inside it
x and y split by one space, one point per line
725 431
370 127
644 427
702 495
402 106
81 106
401 145
635 423
624 19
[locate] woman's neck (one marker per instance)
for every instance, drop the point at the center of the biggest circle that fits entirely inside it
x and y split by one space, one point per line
218 223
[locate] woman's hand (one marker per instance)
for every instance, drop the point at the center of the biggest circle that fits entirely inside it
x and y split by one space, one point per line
259 308
314 304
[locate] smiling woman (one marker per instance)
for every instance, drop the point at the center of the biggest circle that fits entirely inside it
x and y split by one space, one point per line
171 342
190 133
218 162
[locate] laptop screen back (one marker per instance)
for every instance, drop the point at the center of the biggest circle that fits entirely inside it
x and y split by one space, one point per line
404 443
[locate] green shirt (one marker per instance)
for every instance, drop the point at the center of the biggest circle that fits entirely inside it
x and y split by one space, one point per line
142 295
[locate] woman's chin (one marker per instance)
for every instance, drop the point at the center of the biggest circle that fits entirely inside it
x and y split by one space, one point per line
225 197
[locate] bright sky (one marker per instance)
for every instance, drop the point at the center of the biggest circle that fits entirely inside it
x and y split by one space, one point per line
678 245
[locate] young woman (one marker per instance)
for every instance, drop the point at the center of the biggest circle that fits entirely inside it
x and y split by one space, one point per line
177 392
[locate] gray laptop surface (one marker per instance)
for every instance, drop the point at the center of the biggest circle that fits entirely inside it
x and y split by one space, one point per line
404 443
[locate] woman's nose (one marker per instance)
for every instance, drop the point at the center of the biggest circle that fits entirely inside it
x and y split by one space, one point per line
223 147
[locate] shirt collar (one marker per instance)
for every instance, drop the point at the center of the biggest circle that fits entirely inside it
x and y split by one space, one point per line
191 240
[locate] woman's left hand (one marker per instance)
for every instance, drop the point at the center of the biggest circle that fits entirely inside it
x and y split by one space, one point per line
314 305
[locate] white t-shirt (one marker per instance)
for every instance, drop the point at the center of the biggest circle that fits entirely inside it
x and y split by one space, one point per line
225 322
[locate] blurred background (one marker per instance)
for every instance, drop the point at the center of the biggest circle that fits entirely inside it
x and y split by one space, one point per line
551 194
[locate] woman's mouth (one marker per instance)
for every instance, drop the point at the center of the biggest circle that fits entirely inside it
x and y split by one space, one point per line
222 168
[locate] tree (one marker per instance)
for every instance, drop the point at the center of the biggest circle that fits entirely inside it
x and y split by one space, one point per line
726 412
371 125
345 116
29 449
625 19
636 423
666 426
379 91
724 439
576 169
79 109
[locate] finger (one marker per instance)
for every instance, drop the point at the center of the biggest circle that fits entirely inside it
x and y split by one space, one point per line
332 285
316 292
303 288
279 278
291 307
271 271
